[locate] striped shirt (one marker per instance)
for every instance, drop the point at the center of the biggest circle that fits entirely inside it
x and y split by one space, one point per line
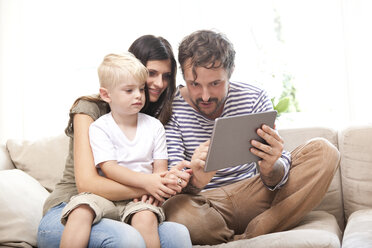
187 128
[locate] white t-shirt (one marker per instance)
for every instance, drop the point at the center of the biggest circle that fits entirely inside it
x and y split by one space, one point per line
108 142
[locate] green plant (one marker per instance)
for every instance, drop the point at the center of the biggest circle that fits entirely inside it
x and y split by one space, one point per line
287 101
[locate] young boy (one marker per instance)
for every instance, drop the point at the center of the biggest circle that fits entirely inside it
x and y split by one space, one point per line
128 147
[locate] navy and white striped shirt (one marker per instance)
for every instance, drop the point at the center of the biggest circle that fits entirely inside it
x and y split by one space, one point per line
187 128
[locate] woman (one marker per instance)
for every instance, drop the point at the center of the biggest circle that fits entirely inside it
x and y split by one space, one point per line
80 174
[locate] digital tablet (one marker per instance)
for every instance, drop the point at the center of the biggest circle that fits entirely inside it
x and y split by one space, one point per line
231 139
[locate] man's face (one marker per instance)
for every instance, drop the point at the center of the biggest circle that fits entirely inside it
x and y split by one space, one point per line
208 91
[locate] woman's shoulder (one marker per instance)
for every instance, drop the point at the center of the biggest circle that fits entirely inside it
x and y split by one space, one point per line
87 105
90 105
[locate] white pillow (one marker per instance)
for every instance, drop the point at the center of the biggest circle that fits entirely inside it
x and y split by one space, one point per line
21 205
43 159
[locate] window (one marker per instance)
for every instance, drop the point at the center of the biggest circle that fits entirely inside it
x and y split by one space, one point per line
50 51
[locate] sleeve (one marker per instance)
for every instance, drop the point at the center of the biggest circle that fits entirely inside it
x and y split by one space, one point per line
102 147
176 148
264 104
160 148
82 107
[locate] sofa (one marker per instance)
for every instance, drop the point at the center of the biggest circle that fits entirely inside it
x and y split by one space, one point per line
29 170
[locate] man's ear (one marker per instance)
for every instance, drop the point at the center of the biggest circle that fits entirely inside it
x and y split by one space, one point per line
105 95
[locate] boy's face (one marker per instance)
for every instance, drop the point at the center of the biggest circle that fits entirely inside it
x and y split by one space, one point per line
127 97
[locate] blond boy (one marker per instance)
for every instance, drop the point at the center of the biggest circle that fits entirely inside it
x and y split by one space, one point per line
128 147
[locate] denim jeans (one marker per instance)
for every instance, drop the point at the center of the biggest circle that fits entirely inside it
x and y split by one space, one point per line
110 233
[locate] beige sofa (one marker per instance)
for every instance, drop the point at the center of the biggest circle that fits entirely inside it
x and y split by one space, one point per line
344 217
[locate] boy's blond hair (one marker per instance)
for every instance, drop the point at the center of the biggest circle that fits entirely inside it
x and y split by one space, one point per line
118 67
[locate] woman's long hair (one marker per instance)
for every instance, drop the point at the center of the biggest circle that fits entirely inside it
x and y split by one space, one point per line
149 47
145 48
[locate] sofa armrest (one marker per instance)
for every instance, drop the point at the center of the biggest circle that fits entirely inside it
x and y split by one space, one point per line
5 161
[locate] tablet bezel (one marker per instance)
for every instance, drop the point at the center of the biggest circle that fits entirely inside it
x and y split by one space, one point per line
231 139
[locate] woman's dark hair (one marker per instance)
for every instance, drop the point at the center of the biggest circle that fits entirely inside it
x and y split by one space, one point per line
145 48
149 47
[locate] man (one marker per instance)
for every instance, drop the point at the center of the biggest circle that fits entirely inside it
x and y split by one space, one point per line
247 200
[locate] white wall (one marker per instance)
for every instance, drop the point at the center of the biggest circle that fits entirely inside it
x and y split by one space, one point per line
49 51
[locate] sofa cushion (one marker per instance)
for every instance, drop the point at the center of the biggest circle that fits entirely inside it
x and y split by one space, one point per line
21 205
358 231
43 159
332 202
355 144
5 161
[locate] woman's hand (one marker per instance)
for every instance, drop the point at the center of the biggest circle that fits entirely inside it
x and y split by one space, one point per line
180 174
148 199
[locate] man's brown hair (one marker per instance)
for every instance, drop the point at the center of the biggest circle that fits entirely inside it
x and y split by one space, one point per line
207 49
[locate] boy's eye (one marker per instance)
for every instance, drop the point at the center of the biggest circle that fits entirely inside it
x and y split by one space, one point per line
152 73
129 91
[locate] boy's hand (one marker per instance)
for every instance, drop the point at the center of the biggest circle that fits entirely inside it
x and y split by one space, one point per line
156 185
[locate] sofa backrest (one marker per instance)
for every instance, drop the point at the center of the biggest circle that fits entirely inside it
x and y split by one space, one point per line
355 144
5 160
332 202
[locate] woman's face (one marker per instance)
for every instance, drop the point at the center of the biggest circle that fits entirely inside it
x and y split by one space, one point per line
159 77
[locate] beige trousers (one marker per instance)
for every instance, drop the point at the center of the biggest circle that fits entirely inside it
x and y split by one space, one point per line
247 209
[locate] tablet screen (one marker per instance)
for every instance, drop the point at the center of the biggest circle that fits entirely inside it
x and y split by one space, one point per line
231 139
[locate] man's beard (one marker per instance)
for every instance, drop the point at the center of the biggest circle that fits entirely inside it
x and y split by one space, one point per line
209 115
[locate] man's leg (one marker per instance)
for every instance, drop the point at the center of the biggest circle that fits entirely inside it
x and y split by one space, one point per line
205 223
247 208
313 167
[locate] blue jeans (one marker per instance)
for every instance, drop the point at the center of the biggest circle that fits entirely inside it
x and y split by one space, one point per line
110 233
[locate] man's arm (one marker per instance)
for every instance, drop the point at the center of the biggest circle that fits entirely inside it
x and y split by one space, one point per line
275 163
273 168
177 159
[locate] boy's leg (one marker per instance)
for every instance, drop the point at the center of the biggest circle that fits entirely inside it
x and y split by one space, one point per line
80 213
106 233
146 222
77 228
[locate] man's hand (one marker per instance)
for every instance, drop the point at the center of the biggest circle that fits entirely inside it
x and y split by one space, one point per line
200 178
271 171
